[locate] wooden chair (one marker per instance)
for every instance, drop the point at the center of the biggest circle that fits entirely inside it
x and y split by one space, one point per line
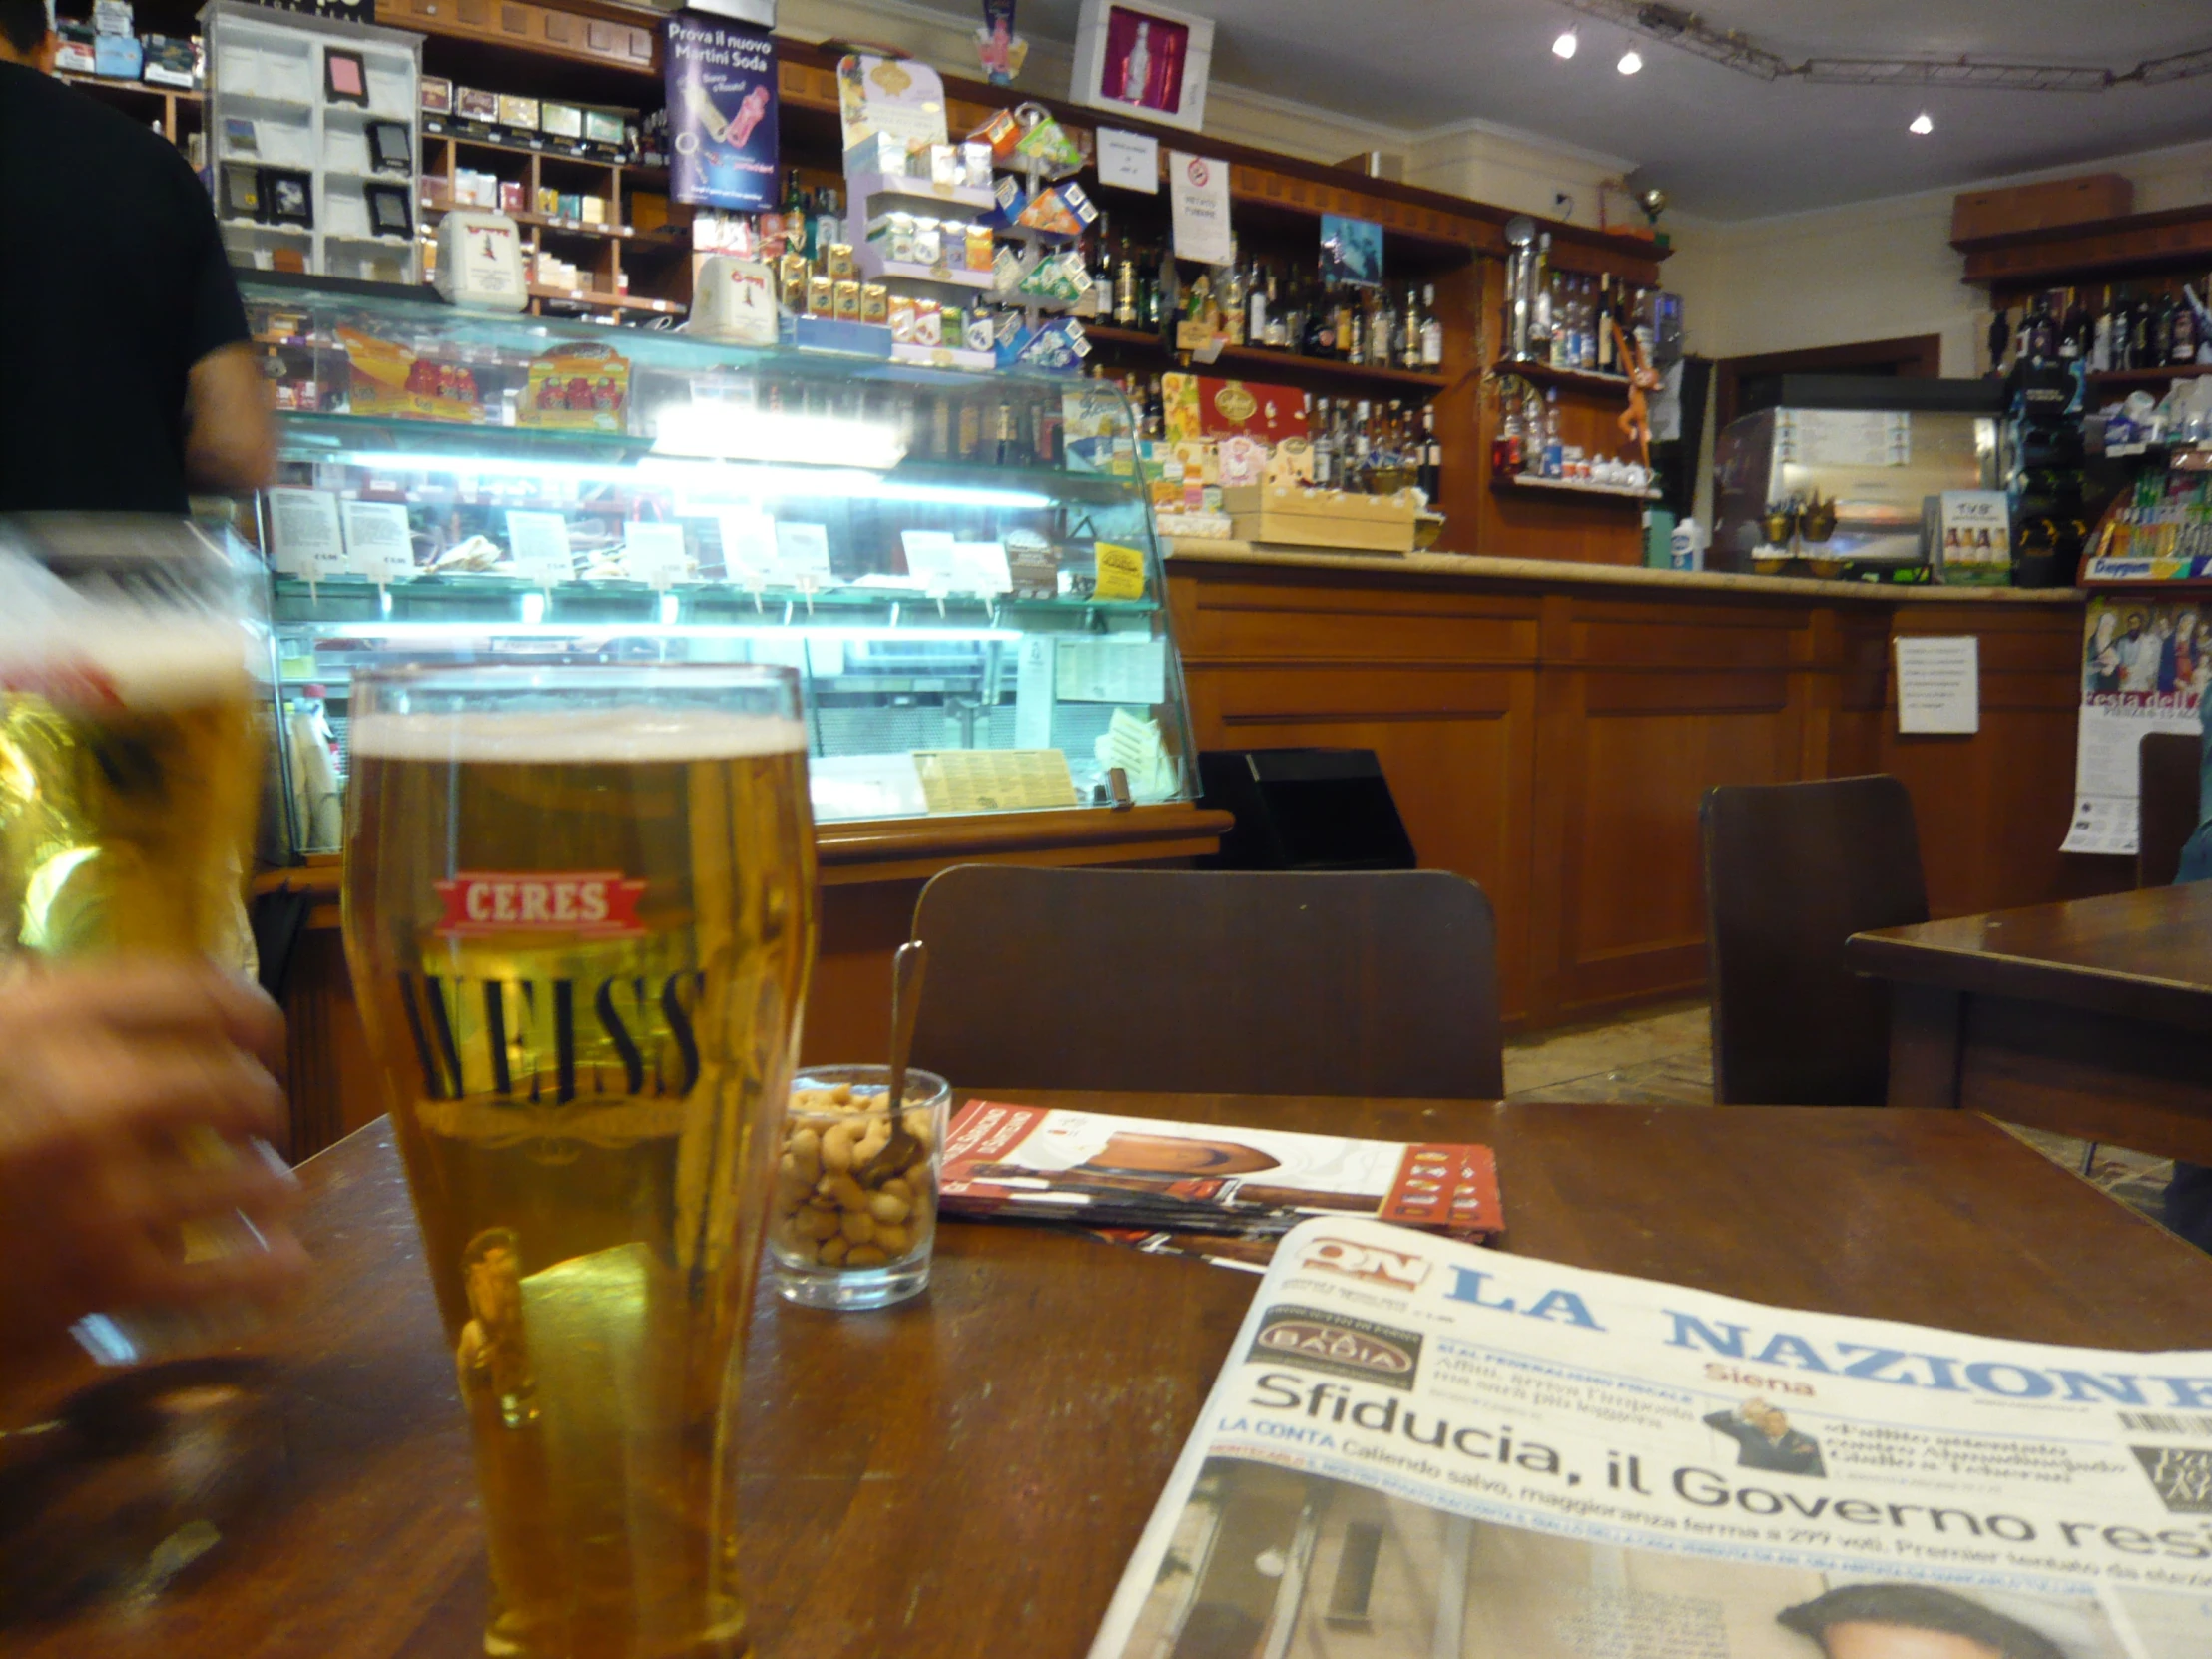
1376 984
2166 767
1791 872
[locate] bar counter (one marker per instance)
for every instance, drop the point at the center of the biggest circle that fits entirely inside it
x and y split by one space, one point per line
1548 727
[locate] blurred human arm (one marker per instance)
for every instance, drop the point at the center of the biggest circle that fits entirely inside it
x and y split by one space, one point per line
108 1076
230 435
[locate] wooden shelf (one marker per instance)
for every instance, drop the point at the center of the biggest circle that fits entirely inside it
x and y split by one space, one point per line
1289 364
1560 486
2096 251
676 237
606 301
1576 379
2150 376
540 151
151 89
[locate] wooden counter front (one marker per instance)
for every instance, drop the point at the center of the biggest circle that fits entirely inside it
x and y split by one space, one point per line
871 874
1549 728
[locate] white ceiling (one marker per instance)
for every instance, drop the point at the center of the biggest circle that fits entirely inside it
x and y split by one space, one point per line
1721 143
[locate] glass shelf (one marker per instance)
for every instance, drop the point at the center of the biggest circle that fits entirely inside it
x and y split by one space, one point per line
924 547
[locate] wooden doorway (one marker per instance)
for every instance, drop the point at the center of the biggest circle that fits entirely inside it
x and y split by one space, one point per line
1913 357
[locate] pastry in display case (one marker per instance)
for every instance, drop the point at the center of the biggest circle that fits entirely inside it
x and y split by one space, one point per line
975 605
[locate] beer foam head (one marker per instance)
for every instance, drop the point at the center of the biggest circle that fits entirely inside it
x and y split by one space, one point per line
77 650
623 736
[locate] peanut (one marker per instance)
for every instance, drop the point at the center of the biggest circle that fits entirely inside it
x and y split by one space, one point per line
834 1204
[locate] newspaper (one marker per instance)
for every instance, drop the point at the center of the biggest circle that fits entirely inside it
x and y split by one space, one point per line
2145 664
1422 1449
1224 1192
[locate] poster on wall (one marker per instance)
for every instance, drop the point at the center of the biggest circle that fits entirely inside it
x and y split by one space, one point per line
1143 60
2144 666
721 83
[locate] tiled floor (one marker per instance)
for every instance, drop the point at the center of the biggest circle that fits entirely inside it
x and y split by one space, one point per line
1664 1056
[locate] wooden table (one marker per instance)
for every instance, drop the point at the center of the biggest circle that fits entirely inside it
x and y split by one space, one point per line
967 1473
2093 1017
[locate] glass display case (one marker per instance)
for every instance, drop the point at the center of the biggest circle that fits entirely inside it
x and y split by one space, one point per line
962 567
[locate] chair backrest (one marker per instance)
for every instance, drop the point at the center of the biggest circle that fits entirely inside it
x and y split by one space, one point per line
1379 983
1791 870
2167 768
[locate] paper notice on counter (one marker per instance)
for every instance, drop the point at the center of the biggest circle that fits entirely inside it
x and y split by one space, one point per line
1939 683
748 554
1120 572
1089 669
377 544
305 526
981 567
1844 437
540 543
1199 187
654 554
932 559
1128 160
803 552
993 780
2144 663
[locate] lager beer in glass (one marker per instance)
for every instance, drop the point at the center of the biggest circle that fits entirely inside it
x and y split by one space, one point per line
580 918
130 781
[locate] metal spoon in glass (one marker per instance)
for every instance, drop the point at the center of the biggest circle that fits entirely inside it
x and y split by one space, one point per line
901 1149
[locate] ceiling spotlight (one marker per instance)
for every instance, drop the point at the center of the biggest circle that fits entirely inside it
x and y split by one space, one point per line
1922 124
1565 46
1631 61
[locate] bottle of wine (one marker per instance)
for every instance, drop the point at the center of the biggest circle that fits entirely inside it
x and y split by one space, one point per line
1432 456
1324 447
1431 332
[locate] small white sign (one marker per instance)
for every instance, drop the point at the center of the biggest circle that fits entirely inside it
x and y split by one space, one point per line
378 545
981 567
1939 683
654 554
803 552
749 547
305 526
1111 670
540 543
1199 187
931 559
1130 161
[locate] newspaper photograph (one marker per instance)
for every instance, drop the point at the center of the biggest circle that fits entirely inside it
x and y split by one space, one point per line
1424 1450
2144 666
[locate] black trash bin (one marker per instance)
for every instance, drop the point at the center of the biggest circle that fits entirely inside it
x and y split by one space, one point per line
1305 809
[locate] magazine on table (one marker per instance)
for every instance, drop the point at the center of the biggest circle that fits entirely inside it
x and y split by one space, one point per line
1224 1192
1419 1448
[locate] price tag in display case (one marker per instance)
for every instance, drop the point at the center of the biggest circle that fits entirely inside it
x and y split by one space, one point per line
540 543
378 543
654 554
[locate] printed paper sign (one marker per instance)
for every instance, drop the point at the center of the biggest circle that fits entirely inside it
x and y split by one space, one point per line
901 97
654 554
749 552
803 552
540 543
1120 572
305 526
993 780
2144 669
378 545
1108 670
931 559
1939 683
721 88
1130 161
981 567
1199 200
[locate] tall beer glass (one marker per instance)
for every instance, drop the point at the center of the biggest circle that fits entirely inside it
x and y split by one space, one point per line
580 917
130 779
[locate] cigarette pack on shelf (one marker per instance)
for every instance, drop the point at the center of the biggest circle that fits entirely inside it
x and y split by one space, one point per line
578 389
1322 518
387 378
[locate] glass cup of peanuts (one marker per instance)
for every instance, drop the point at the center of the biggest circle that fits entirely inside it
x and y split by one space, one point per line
855 1211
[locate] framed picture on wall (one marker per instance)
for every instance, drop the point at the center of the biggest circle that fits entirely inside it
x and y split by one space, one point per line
1145 61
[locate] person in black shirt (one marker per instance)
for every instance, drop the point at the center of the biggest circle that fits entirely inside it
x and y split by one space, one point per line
129 376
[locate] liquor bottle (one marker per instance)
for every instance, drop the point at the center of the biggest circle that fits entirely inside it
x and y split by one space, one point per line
1155 410
1554 452
1278 334
1432 331
1125 289
2039 333
1352 326
1232 297
1359 476
1324 447
1606 363
2160 346
1508 447
829 229
1258 305
1540 310
2100 337
2080 332
1432 456
2184 346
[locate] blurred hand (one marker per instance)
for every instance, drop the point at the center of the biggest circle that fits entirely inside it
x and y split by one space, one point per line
136 1097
